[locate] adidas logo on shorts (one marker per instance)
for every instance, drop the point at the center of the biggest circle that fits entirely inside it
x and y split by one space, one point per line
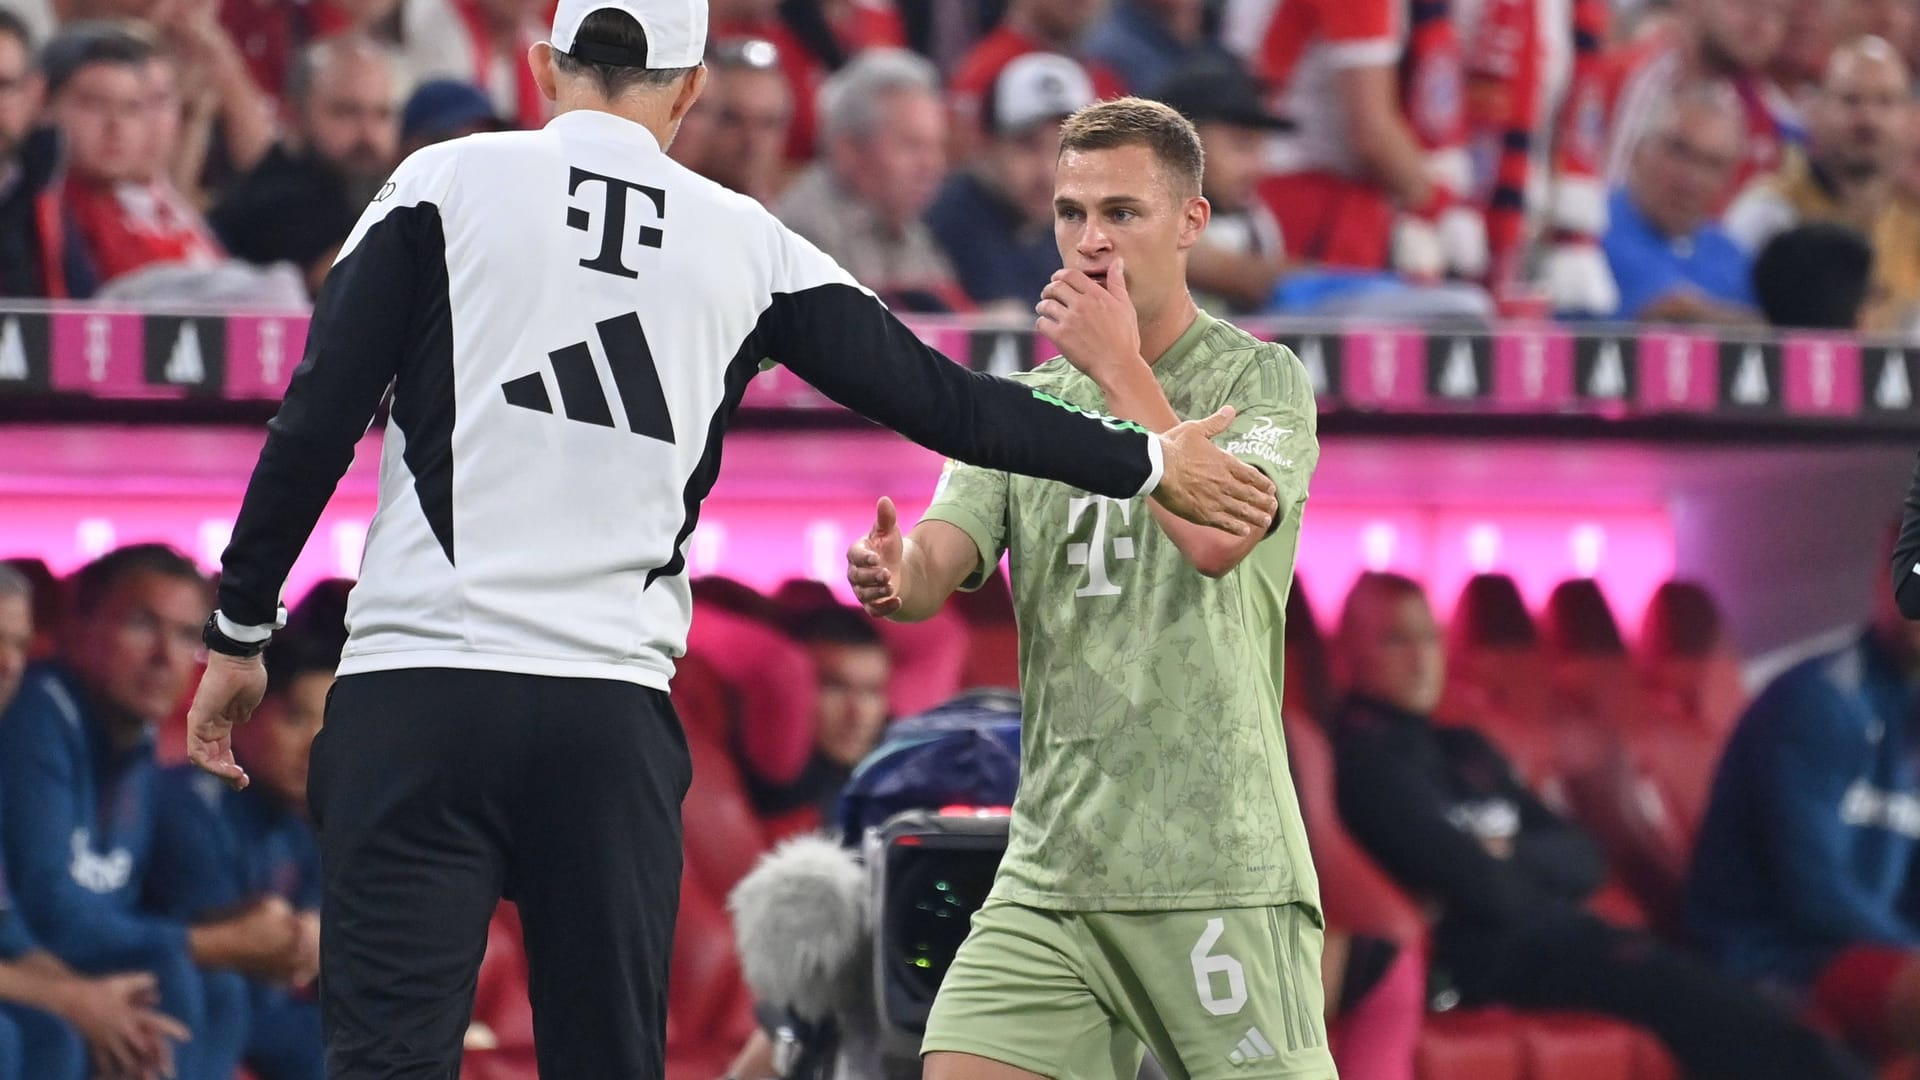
1253 1047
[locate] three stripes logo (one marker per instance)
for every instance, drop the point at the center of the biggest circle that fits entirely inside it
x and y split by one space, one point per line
582 397
1253 1047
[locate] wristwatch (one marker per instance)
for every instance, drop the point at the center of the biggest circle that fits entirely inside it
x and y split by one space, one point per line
224 636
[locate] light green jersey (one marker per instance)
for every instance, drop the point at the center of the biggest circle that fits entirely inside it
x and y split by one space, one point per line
1153 767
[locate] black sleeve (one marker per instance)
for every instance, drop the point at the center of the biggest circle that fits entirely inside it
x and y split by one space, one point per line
1555 852
1398 813
1906 552
846 343
355 343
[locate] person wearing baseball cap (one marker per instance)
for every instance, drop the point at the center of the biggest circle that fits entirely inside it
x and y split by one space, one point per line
1241 256
442 109
995 218
565 320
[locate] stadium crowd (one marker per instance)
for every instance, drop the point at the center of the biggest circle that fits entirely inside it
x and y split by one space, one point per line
1726 162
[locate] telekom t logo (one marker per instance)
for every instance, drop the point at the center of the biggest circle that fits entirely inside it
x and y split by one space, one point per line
1094 556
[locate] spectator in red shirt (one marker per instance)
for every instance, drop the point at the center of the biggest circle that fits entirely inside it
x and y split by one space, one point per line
1731 40
1374 174
127 213
228 117
1029 26
271 33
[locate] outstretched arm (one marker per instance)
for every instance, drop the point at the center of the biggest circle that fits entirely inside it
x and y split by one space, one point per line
908 578
842 340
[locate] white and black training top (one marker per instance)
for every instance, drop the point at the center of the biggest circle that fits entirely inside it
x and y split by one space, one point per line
568 319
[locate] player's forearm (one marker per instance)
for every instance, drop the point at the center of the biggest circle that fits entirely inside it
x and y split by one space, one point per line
853 350
1136 395
922 593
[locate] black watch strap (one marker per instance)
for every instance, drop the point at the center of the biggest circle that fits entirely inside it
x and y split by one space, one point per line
226 646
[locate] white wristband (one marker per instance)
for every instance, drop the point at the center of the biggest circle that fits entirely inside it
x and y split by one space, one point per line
247 635
1157 462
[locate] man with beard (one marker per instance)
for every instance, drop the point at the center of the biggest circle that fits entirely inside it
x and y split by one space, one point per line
1848 174
300 203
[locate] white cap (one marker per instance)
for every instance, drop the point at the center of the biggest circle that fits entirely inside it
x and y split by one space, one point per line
1035 87
676 29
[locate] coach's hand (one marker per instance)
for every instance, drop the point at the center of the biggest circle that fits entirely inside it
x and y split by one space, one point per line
229 692
1093 323
1208 486
874 563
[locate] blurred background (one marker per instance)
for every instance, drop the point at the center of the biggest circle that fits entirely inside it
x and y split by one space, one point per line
1612 309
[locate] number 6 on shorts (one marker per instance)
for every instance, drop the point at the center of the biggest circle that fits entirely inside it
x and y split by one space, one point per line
1206 966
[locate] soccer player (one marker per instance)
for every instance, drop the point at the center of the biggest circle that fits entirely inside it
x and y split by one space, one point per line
1157 886
568 319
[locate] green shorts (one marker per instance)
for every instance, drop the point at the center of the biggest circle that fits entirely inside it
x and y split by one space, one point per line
1074 995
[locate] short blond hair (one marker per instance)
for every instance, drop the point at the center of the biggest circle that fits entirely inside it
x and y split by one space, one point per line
1132 121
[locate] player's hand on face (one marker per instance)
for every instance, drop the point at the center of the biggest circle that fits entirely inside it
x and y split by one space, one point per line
229 691
1093 323
1208 486
874 562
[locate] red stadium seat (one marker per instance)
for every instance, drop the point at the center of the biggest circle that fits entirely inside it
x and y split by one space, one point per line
724 837
1906 1068
1636 777
1558 1047
1471 1044
1595 690
1356 894
993 653
1478 1044
709 1014
769 691
1497 677
1651 1061
1307 689
500 1044
1688 661
929 661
